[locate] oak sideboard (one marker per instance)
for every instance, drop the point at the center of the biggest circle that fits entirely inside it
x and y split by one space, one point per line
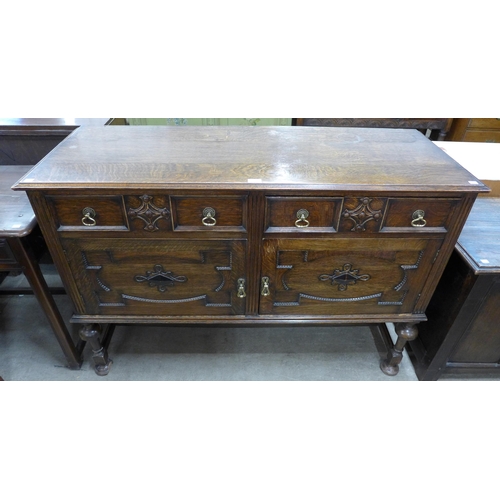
249 225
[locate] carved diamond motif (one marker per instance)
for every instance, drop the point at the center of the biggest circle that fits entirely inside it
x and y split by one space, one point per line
362 214
149 213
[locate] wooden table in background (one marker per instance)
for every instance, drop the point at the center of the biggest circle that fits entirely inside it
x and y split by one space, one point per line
462 334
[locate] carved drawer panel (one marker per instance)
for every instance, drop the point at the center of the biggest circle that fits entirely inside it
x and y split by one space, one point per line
419 214
362 214
158 277
148 214
194 213
89 213
302 214
353 276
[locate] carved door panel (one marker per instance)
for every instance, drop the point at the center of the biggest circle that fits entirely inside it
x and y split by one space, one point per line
344 276
159 277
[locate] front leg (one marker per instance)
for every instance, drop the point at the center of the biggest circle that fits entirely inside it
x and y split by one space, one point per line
102 362
405 332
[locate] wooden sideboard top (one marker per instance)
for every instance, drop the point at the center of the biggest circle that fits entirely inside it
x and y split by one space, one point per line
251 158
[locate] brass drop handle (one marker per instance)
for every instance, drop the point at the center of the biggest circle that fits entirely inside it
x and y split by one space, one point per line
265 286
302 216
209 217
418 219
88 218
241 288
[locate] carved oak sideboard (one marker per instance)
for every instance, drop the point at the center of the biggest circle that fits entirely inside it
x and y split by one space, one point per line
239 225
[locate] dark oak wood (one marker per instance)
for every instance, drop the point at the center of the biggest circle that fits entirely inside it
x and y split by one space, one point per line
462 332
438 127
123 212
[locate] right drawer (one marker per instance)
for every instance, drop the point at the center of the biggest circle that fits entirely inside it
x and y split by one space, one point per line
419 214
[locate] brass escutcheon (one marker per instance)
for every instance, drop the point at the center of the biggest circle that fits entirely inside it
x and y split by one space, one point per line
241 288
418 219
88 217
209 217
265 286
302 216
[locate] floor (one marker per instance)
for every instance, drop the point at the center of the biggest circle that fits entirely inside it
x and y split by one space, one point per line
30 352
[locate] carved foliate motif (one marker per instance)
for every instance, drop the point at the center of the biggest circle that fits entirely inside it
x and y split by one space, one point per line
149 213
362 214
344 277
160 278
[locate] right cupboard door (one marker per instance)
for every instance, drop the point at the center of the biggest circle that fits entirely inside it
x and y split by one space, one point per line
344 276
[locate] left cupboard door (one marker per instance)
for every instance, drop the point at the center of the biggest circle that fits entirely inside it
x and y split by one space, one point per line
159 277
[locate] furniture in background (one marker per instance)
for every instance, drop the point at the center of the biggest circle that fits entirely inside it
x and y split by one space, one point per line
275 225
475 130
25 141
210 121
435 128
462 334
20 250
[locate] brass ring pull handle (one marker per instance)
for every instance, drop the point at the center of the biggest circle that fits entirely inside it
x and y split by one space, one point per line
418 219
302 216
209 217
241 288
265 286
88 218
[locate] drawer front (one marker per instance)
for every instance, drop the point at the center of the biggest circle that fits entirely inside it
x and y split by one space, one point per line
158 277
351 276
221 213
419 214
302 214
482 136
485 123
89 213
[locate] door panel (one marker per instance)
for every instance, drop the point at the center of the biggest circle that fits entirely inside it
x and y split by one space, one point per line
158 277
345 276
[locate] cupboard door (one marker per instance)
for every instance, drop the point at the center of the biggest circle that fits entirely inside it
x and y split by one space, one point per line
344 276
159 277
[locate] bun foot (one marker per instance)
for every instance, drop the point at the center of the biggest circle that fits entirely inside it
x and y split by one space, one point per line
388 369
102 370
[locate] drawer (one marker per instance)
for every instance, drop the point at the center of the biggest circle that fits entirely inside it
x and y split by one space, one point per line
484 123
419 214
302 214
482 136
89 213
209 213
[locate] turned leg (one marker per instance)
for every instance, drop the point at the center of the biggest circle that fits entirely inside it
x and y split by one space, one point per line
102 362
405 332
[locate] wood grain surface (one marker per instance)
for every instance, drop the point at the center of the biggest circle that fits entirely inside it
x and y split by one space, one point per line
254 157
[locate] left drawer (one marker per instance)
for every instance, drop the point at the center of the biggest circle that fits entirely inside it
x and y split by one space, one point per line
89 213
